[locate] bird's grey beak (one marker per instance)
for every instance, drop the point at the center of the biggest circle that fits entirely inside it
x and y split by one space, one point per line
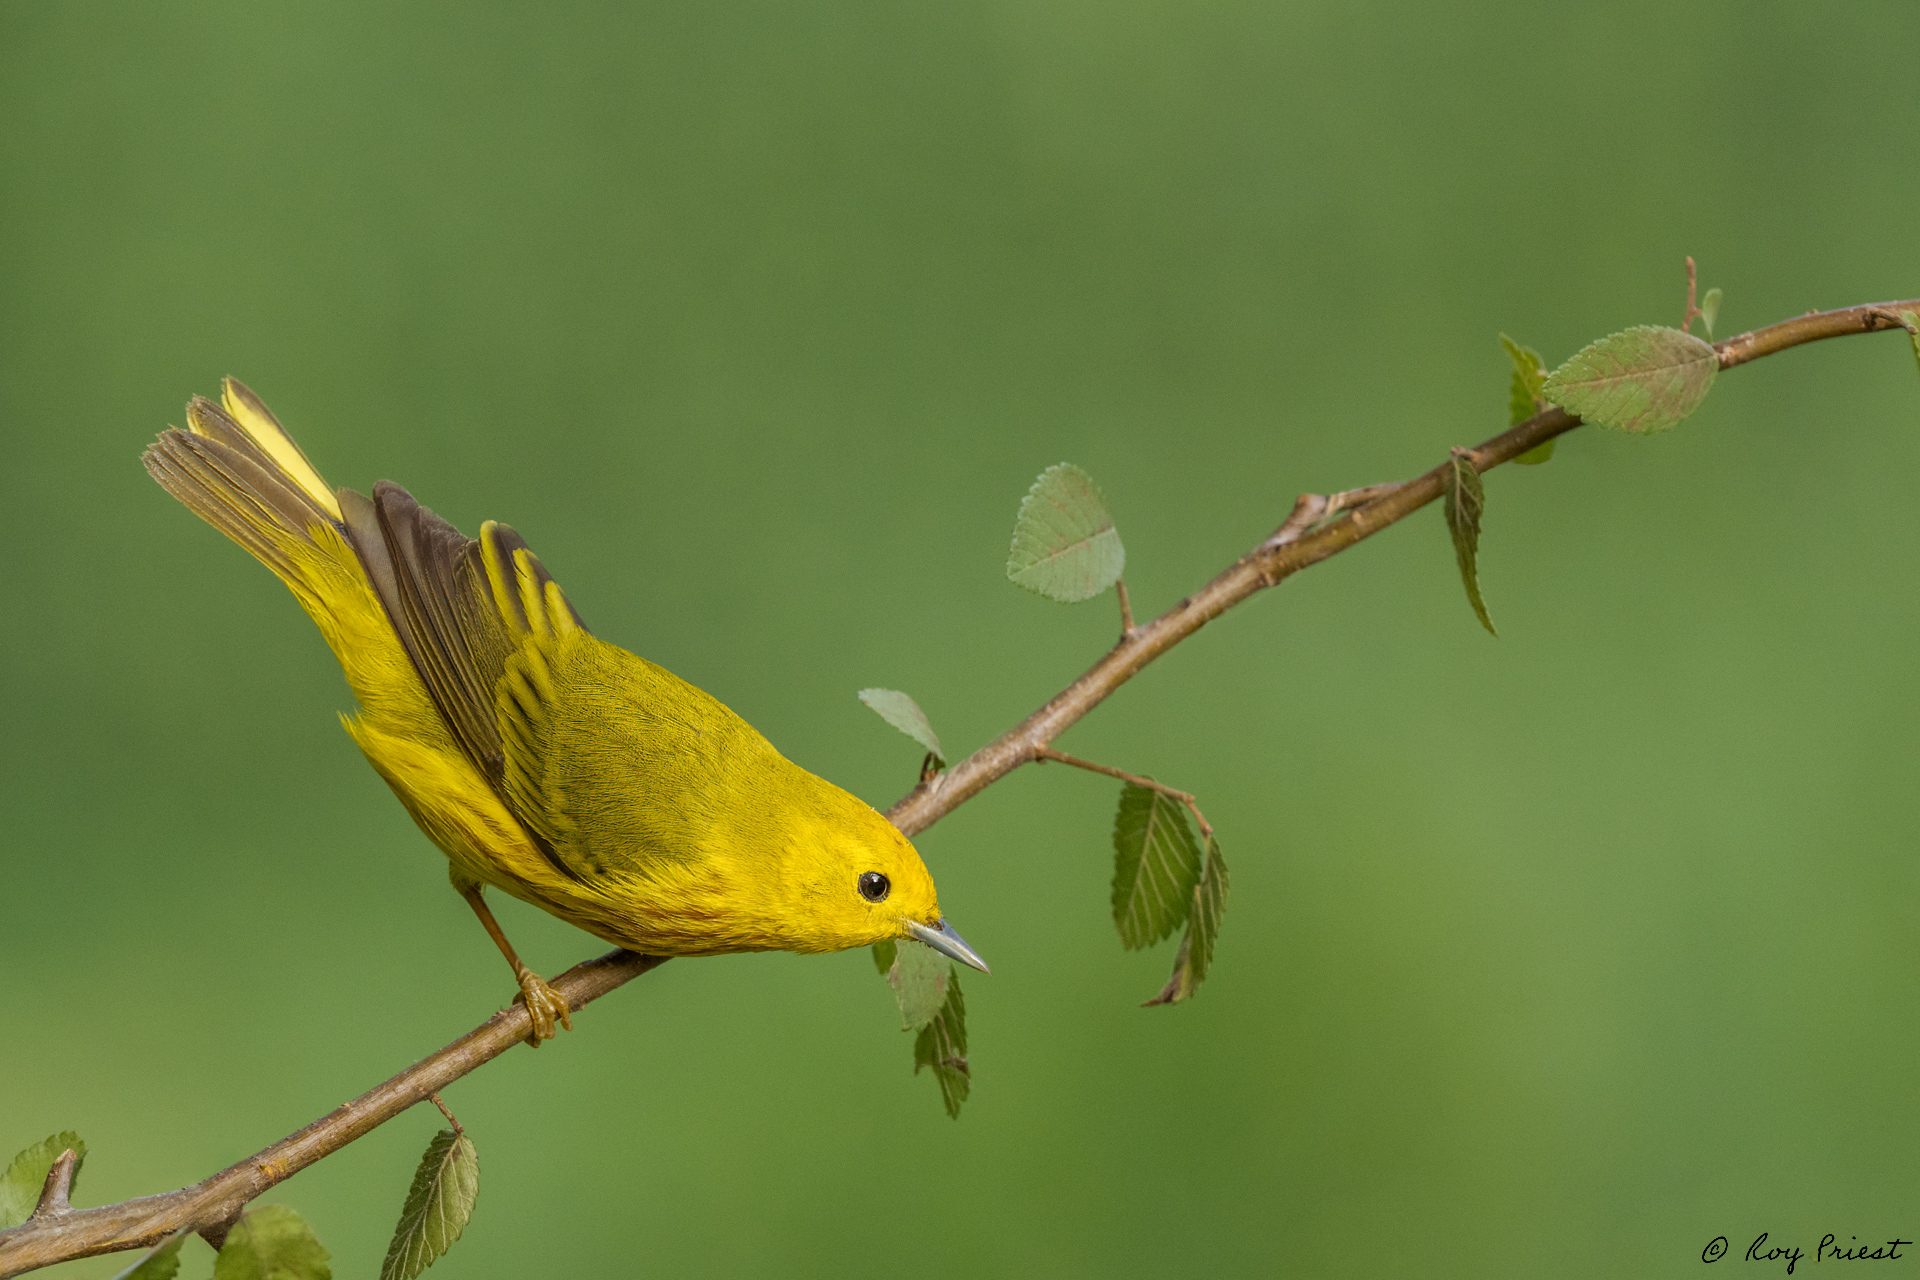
947 943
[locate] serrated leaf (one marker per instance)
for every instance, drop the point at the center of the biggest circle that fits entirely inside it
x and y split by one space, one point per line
1064 544
1710 309
1155 865
1466 500
942 1046
904 714
919 977
883 952
1524 398
1641 380
162 1262
437 1207
271 1242
26 1175
1203 929
1911 319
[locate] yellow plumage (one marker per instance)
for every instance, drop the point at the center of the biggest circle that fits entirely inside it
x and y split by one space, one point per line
542 760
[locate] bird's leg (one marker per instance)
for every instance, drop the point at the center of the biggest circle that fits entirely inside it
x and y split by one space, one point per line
544 1004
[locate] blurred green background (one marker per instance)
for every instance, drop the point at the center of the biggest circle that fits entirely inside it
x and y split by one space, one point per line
1557 954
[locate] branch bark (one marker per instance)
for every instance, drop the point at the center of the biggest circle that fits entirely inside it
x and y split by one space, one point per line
1318 527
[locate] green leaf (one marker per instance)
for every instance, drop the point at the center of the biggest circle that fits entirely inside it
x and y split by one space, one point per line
919 977
1155 866
437 1207
1641 380
1710 309
883 955
1911 319
1203 928
1466 499
162 1262
942 1045
1523 388
904 714
1064 544
271 1242
1524 398
26 1175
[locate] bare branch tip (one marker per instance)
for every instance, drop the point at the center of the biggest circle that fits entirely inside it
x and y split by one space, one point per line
58 1187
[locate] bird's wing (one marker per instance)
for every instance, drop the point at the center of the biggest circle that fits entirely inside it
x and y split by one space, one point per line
474 615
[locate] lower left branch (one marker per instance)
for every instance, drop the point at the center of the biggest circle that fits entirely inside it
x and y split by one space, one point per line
56 1232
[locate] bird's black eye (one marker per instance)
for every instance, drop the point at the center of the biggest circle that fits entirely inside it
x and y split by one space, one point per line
874 886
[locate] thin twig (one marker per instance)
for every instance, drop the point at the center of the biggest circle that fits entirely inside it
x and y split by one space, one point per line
1313 512
1693 308
1126 607
1352 517
1308 510
1043 754
1350 499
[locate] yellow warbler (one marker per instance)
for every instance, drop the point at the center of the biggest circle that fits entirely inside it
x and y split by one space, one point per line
542 760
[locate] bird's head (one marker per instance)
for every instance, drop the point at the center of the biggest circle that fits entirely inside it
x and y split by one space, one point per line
858 881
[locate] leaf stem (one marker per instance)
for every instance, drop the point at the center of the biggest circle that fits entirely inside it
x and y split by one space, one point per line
1042 754
1693 307
452 1119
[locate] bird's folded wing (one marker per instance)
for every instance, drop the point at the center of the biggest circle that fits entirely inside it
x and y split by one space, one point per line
474 616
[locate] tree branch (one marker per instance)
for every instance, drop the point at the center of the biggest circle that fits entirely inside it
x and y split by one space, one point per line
1319 526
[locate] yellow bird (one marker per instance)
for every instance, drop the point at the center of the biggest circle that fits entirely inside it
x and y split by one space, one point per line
542 760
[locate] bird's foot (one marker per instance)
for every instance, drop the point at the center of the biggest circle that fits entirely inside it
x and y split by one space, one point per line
544 1006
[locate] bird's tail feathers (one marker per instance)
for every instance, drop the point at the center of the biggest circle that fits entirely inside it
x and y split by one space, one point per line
238 469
